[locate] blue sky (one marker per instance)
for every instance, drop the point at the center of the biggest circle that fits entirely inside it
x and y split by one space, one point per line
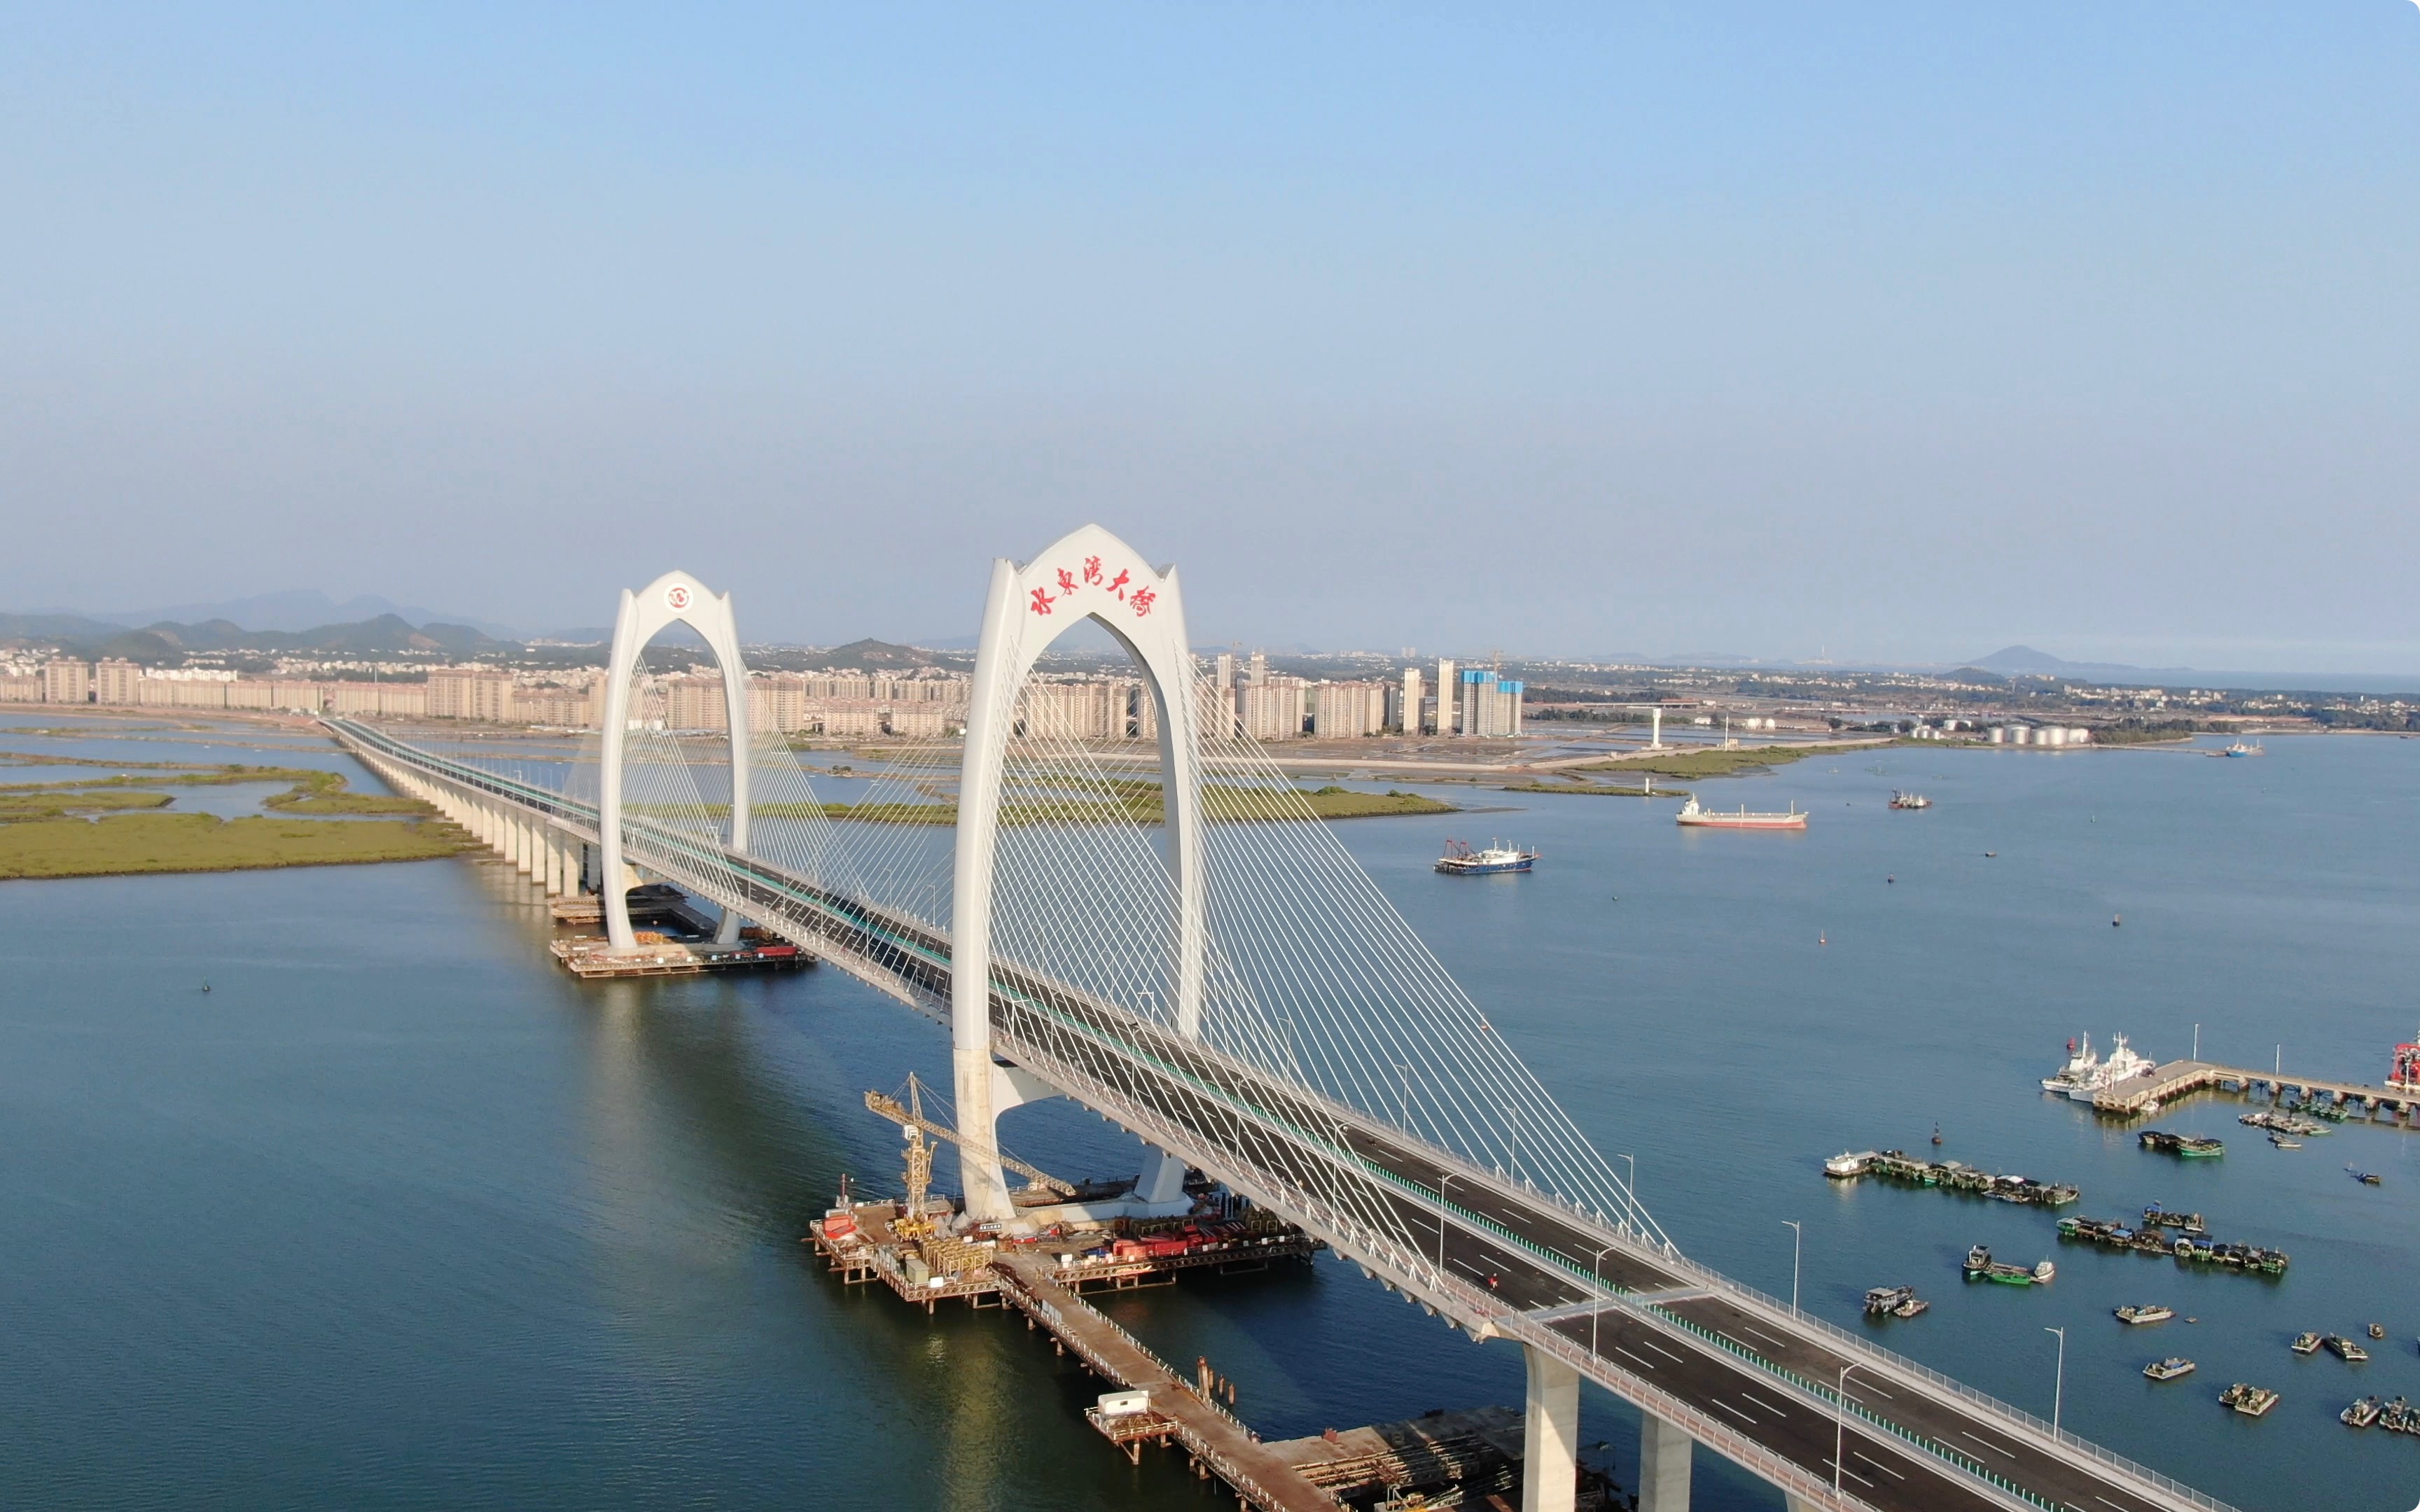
1902 332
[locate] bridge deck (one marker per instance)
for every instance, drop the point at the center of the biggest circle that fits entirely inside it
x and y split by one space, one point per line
1740 1373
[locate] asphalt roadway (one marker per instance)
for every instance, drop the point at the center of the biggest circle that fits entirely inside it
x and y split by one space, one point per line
1272 1129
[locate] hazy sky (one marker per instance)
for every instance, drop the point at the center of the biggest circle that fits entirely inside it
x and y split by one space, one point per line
1900 331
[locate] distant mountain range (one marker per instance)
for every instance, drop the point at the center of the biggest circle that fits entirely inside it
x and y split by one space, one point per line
301 609
167 639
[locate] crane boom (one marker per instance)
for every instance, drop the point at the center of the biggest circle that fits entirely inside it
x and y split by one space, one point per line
891 1107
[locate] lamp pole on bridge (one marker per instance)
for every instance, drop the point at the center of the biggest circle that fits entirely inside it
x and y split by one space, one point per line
1633 1190
2059 1382
1795 1235
1841 1426
1596 1267
1443 1177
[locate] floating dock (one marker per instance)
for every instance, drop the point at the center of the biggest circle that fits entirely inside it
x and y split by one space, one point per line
1950 1175
2140 1095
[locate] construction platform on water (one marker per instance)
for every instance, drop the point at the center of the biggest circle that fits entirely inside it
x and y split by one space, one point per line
1068 1240
679 941
2396 1106
1467 1459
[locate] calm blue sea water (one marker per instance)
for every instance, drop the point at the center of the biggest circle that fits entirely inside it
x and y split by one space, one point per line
396 1217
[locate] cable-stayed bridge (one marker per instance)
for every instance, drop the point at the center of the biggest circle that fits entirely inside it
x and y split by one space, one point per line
1199 961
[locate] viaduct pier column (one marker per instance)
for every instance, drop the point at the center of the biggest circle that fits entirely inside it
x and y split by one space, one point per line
1550 1434
1664 1450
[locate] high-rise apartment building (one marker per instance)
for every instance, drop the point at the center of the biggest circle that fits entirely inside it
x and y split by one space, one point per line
1225 676
1448 688
1345 710
66 681
468 693
114 680
1259 667
1491 705
1408 718
1271 708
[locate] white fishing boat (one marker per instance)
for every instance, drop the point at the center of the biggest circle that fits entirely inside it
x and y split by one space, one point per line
2086 1074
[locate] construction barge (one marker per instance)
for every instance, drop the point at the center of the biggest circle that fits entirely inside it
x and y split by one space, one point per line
1949 1175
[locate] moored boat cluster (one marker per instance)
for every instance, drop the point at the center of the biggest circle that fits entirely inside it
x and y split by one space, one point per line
2397 1416
2186 1247
1949 1175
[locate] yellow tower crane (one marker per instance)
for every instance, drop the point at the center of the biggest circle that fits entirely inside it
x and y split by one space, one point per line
912 1121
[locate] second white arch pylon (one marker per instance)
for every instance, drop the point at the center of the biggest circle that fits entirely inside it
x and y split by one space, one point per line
1087 575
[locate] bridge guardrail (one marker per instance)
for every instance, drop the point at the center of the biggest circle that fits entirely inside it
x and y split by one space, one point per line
558 805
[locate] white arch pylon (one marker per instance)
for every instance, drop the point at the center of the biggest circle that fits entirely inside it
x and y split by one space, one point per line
1089 573
674 597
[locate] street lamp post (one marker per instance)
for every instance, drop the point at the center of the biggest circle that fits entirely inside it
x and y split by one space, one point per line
1633 1187
2059 1382
1796 1236
1841 1426
1443 1177
1596 1267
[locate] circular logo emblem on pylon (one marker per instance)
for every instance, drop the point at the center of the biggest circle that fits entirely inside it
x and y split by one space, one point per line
677 597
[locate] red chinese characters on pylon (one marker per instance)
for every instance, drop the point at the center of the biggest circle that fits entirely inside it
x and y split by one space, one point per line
1092 575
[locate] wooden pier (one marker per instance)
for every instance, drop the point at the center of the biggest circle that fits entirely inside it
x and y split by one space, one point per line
1179 1409
2181 1078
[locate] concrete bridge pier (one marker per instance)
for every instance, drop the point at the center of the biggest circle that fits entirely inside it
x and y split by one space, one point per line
1550 1434
1664 1451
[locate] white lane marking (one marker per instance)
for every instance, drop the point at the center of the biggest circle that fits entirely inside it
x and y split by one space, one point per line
1774 1408
1649 1364
1660 1349
1779 1344
1846 1471
2119 1505
2005 1454
1735 1412
1877 1464
1876 1390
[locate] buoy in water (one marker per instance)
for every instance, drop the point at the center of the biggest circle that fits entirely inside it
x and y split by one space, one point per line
1890 879
206 986
2116 920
